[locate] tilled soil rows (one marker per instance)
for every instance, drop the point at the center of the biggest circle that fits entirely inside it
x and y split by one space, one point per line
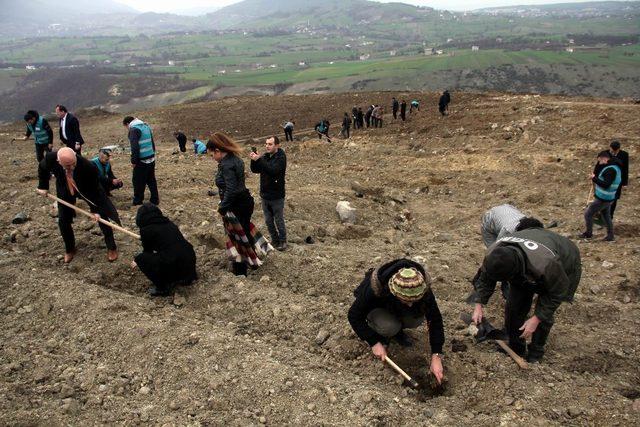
83 344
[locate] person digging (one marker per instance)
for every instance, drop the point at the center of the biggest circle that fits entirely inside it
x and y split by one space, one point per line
533 261
394 297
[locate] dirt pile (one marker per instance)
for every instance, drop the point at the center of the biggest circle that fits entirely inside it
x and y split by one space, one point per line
83 344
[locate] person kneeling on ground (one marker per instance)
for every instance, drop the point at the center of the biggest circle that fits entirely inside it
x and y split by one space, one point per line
167 258
199 147
533 261
394 297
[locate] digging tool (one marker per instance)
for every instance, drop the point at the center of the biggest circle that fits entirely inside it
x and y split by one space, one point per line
486 331
90 215
399 370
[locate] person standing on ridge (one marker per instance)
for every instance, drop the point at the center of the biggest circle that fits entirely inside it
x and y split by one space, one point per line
143 160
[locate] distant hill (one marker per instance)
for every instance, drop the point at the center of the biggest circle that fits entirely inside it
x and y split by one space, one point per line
50 11
288 13
610 7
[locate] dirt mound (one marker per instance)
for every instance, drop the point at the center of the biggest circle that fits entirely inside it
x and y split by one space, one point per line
83 344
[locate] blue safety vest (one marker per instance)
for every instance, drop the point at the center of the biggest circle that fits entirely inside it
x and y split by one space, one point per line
609 194
199 147
146 141
103 170
39 134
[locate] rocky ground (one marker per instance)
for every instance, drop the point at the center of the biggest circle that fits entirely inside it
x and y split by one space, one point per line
83 344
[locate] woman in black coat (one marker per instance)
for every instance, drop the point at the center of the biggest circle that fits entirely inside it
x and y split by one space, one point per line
234 195
167 258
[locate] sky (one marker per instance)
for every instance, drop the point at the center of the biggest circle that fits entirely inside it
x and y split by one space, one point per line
172 5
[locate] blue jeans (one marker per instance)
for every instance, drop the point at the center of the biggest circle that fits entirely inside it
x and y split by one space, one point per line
274 218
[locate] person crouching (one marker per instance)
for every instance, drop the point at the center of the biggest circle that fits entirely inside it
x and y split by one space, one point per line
167 258
394 297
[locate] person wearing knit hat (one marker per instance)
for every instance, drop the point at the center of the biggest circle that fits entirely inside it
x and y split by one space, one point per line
394 297
77 177
533 261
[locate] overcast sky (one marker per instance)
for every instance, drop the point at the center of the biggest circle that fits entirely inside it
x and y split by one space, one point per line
172 5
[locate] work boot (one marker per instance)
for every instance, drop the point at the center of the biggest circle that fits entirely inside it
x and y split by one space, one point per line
534 358
156 291
538 341
403 339
112 255
68 257
609 238
585 235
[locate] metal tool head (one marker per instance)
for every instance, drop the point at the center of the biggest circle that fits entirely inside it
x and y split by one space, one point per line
486 331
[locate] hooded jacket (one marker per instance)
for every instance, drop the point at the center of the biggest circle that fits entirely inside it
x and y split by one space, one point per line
166 253
373 292
549 263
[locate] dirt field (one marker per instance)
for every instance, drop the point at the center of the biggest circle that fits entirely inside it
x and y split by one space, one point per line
82 344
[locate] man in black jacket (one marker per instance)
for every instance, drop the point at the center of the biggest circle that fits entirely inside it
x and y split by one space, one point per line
393 297
69 129
394 107
272 167
623 159
532 261
403 110
443 103
346 126
167 258
77 177
182 141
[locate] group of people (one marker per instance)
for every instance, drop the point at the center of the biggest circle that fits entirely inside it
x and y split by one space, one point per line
527 258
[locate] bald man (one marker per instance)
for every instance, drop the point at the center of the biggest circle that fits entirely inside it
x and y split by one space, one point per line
77 177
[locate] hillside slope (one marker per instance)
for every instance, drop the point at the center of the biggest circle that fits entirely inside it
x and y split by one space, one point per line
82 344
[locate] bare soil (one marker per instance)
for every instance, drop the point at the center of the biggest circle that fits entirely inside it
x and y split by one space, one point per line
83 344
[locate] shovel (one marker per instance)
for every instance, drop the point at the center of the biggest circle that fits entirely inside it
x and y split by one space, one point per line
486 331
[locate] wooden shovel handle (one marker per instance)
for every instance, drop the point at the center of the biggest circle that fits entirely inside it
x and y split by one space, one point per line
90 215
519 360
399 370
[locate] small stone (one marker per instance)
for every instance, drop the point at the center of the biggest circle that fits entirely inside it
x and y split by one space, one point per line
444 237
626 299
289 383
322 336
346 213
193 339
174 406
595 289
608 265
262 420
574 412
20 218
179 300
265 279
102 388
311 406
508 401
144 390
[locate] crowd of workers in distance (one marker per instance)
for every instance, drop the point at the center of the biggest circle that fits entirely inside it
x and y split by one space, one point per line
527 258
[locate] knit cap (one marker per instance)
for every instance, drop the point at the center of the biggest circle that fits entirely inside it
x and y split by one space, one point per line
408 284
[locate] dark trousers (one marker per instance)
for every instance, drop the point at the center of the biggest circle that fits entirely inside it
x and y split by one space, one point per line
403 115
41 149
144 175
395 114
374 122
288 134
367 120
442 109
615 202
603 208
107 212
183 146
389 324
345 131
273 211
243 210
378 123
519 301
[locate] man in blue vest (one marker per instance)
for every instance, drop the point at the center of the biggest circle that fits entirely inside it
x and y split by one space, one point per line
606 187
533 261
105 173
41 131
143 160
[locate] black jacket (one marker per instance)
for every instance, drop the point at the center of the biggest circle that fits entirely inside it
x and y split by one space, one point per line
230 182
623 162
550 264
395 105
403 107
166 253
373 292
72 129
272 169
85 175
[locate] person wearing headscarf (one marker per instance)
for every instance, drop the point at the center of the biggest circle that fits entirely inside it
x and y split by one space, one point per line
77 177
167 258
394 297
